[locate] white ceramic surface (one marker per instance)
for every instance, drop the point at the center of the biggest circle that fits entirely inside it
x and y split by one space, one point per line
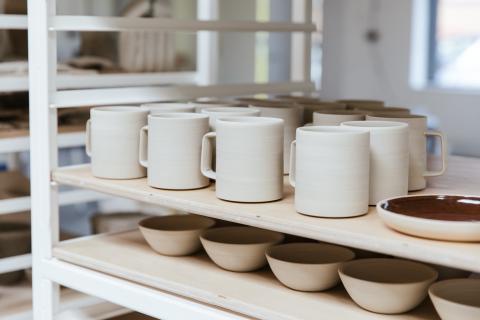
170 148
310 108
168 107
335 117
249 159
387 286
112 141
217 112
199 106
177 235
239 249
330 171
389 158
429 228
292 115
307 266
417 140
456 299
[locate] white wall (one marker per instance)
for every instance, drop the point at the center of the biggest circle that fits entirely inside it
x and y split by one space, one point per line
353 67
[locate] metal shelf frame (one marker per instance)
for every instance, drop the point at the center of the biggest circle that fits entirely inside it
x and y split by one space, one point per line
46 97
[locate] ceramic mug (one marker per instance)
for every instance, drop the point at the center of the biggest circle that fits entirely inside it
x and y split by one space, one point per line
292 115
330 171
385 110
168 107
335 117
217 112
170 148
112 135
389 158
362 103
417 138
249 158
310 108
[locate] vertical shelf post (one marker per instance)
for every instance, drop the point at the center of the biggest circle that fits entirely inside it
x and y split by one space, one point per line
43 152
301 42
207 44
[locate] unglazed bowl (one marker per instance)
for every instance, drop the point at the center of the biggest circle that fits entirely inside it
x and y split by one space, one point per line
176 235
387 286
239 249
456 299
307 266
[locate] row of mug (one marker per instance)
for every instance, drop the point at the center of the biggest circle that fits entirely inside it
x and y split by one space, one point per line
382 285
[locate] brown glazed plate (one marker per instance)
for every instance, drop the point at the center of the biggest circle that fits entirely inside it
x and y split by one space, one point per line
441 217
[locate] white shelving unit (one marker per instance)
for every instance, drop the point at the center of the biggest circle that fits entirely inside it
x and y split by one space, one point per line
122 269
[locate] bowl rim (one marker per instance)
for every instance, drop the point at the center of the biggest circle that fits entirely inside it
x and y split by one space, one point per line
431 279
280 236
381 211
268 253
436 285
209 221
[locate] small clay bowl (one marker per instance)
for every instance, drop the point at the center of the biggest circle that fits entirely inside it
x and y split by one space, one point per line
387 286
239 249
440 217
456 299
307 266
176 235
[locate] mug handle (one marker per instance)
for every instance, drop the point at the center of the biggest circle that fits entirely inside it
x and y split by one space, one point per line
443 145
88 138
206 158
143 147
293 152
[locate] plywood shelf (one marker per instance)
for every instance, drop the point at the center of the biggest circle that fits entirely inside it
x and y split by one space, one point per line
254 294
366 232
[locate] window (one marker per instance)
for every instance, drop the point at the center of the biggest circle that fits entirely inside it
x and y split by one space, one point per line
455 44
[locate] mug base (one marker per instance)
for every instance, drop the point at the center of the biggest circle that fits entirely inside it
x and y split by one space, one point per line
319 215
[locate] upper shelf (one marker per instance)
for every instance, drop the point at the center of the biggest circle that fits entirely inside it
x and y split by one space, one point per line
365 232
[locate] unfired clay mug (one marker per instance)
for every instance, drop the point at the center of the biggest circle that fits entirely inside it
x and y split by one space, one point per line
389 158
168 107
170 148
292 115
249 159
417 138
217 112
335 117
310 108
112 141
330 171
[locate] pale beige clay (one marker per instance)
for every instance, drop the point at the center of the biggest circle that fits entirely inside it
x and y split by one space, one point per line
387 286
308 266
240 249
456 299
176 235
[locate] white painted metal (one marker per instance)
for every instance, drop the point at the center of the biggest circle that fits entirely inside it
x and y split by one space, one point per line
207 44
301 42
137 297
136 95
13 21
13 83
91 23
15 263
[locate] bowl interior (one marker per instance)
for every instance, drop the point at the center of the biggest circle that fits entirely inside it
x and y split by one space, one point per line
177 223
436 207
462 291
394 271
310 253
242 235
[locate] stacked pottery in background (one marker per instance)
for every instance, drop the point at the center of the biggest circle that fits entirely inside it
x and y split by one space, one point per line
167 107
170 148
216 112
113 141
249 158
330 171
417 136
335 117
292 115
389 158
310 108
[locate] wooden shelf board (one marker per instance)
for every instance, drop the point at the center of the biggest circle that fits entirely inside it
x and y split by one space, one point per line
255 294
366 232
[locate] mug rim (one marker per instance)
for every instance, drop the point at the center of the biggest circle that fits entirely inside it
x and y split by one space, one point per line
165 104
128 108
273 105
339 112
333 130
226 109
396 116
245 120
370 124
177 115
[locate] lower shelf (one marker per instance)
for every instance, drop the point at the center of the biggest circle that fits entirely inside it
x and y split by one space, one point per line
254 294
